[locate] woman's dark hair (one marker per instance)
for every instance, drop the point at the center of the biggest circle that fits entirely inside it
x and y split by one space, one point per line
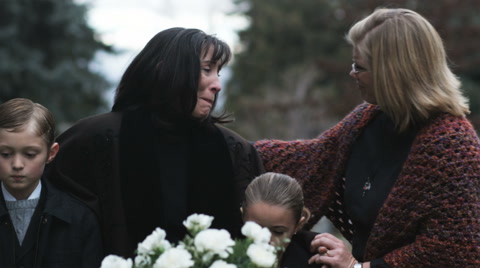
164 76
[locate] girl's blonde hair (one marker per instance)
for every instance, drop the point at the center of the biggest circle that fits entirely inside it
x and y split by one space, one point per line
277 190
408 63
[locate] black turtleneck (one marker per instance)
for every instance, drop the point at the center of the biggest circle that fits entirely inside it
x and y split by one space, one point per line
377 158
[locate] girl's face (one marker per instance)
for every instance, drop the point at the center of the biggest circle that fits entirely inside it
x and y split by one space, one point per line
279 220
363 77
208 86
23 156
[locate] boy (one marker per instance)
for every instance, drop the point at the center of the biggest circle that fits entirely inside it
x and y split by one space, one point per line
40 226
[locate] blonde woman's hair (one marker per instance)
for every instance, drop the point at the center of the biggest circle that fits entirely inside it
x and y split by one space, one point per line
408 63
277 190
15 114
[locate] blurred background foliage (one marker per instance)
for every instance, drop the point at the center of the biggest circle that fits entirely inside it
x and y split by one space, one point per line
290 73
289 77
46 50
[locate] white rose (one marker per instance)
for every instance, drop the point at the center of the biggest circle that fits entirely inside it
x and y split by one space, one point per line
174 258
222 264
155 240
112 261
215 241
142 261
198 222
254 231
267 247
261 255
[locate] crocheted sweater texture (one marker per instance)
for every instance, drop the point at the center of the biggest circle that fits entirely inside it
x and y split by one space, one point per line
431 217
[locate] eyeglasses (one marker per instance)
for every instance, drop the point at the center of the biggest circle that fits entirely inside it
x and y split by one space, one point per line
357 69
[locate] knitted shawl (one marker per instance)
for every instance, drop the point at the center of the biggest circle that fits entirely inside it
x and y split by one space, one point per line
432 214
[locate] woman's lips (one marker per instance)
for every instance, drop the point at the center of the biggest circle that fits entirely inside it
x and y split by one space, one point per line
207 100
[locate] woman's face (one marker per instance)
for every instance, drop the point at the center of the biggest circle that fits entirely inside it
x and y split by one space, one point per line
208 86
279 220
363 77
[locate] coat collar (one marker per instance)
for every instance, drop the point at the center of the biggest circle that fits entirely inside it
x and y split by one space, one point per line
56 204
3 207
53 199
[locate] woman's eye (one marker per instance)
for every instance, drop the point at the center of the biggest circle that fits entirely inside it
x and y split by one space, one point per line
360 68
5 154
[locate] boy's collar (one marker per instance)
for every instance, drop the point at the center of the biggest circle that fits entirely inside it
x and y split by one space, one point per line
35 194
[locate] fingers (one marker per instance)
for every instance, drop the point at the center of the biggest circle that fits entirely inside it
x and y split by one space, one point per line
322 250
330 251
317 258
325 240
321 259
314 259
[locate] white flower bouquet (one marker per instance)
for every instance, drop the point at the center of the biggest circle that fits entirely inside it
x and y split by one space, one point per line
202 248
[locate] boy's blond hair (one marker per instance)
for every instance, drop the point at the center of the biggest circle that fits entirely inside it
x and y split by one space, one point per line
17 113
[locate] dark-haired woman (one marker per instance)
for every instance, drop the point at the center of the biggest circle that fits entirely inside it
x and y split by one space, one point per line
160 154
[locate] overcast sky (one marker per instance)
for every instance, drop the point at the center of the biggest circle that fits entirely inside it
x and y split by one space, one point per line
129 24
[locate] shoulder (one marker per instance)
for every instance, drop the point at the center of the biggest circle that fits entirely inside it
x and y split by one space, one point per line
98 130
228 133
97 123
448 130
447 151
109 119
65 206
364 111
446 123
354 121
232 138
244 156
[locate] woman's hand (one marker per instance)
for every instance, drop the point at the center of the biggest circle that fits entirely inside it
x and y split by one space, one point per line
331 252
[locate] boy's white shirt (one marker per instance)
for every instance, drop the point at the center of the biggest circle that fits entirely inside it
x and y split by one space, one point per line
35 194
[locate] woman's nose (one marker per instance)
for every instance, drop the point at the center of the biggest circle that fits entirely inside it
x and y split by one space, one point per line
353 74
216 85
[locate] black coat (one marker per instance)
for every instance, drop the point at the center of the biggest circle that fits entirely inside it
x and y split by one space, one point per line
298 252
63 233
89 165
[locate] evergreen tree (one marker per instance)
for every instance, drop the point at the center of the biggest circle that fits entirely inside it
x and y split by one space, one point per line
46 50
290 74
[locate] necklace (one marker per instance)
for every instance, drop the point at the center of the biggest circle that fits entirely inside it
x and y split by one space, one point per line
375 167
366 186
376 155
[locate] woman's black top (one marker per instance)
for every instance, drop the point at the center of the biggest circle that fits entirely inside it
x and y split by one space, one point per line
373 167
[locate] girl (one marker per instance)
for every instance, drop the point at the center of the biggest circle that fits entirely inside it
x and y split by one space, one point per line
275 201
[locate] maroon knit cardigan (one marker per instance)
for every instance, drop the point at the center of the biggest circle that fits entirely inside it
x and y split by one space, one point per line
432 214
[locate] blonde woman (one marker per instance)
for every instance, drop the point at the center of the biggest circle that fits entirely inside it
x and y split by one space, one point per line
399 176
